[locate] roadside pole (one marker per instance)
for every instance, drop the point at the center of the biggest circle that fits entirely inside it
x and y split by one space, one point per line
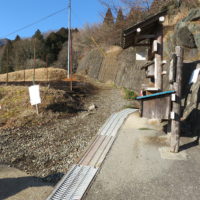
24 68
47 66
71 61
69 37
7 64
85 65
34 71
175 135
34 58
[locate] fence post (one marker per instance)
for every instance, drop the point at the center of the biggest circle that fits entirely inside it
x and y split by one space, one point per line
76 61
71 61
7 64
47 66
24 68
85 65
175 135
34 58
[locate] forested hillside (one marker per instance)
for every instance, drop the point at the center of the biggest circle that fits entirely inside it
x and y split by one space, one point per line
21 50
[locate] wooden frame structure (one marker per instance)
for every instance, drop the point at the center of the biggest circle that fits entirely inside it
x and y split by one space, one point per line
158 104
151 29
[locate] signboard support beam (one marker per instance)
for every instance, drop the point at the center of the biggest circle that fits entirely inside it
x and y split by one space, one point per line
175 135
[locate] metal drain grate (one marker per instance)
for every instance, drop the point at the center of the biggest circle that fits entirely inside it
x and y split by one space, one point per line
114 122
96 153
74 183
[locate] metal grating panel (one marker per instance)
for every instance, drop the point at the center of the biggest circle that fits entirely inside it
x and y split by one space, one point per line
114 122
99 148
74 184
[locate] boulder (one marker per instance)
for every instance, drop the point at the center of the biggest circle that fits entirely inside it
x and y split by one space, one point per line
183 37
180 24
192 55
193 15
197 40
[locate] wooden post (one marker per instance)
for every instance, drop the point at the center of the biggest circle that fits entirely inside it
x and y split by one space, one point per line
7 64
175 136
71 61
159 56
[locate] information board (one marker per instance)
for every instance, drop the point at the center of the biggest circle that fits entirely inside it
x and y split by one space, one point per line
34 92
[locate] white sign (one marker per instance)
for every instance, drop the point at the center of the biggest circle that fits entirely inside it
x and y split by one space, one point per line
171 70
194 76
141 53
34 92
155 45
155 73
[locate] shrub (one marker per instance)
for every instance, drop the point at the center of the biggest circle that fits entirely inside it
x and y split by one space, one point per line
130 95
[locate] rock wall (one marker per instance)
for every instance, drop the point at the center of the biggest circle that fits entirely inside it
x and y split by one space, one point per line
121 68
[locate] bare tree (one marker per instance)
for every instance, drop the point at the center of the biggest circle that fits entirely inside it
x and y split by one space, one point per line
25 49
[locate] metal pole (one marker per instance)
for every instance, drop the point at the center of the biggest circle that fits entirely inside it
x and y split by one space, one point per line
85 65
76 61
7 64
24 68
69 36
34 58
47 66
71 60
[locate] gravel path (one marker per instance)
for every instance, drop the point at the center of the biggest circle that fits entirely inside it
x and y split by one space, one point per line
48 151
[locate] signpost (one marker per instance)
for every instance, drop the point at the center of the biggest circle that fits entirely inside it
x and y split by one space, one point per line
34 92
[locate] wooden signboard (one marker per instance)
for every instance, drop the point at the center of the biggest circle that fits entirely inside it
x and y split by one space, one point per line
157 107
172 69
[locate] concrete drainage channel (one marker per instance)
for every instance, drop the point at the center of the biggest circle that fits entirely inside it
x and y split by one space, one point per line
74 184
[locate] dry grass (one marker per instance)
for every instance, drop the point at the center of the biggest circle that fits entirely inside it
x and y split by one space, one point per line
179 16
17 111
40 75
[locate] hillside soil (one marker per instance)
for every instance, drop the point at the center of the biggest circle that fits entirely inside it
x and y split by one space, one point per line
47 146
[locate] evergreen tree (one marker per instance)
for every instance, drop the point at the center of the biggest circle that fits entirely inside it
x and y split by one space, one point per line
54 44
120 17
108 20
4 59
17 38
38 35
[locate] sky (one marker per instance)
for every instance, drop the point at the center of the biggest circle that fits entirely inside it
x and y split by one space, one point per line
16 14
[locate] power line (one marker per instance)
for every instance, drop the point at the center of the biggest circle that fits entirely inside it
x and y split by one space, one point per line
77 17
34 23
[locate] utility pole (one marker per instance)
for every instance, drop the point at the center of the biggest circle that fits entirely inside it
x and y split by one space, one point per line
69 37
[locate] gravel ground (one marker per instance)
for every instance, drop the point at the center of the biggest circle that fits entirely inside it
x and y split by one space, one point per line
48 151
